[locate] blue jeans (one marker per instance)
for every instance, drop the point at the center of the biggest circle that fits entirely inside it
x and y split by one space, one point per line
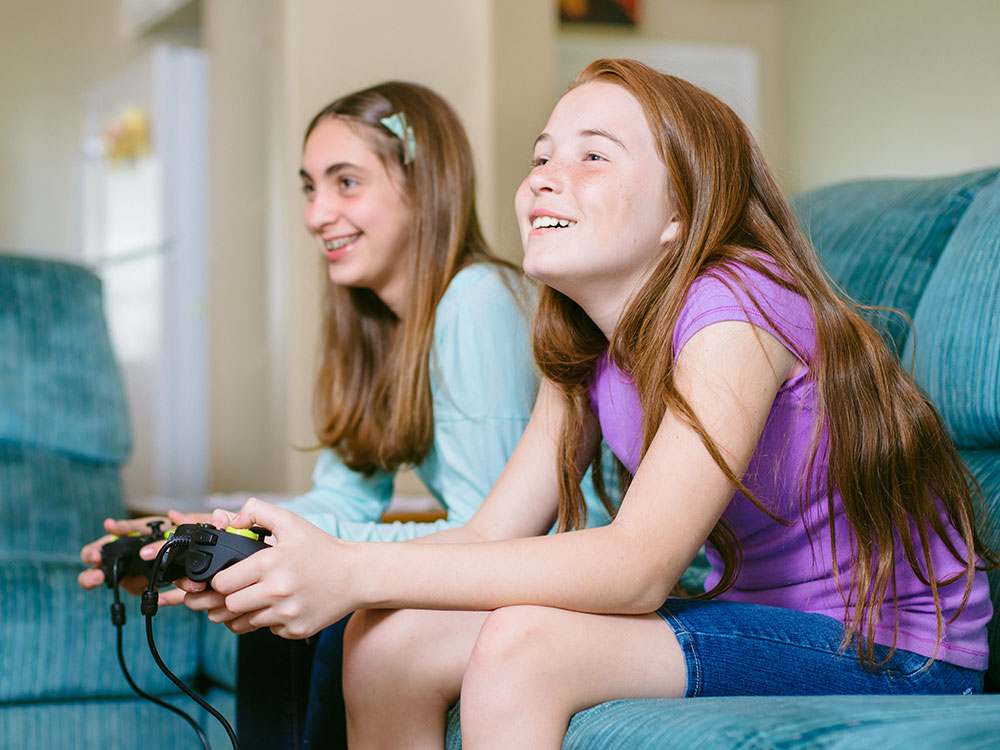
288 693
732 648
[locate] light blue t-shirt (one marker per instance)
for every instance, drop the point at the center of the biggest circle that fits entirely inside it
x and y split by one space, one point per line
483 387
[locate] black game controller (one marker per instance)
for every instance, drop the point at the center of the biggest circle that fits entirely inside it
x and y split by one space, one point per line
202 552
209 550
120 557
195 550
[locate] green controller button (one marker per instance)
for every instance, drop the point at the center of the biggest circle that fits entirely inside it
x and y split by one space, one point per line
243 532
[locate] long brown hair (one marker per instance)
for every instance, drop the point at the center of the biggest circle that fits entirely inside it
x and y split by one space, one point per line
372 398
887 453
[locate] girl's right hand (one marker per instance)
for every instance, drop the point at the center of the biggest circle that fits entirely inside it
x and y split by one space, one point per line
220 519
287 587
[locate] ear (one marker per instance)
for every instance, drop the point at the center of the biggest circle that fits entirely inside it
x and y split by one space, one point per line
670 232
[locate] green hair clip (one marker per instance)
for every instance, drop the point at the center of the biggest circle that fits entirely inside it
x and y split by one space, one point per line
397 125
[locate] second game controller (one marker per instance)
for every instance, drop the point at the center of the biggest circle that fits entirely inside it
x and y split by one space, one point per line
120 557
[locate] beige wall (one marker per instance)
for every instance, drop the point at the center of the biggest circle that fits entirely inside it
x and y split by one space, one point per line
50 51
890 87
523 69
246 431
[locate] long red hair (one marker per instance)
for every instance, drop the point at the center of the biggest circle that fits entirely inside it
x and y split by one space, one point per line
887 454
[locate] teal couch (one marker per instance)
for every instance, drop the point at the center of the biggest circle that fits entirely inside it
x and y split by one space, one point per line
931 248
64 434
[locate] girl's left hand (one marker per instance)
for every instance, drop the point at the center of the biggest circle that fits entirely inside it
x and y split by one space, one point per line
296 587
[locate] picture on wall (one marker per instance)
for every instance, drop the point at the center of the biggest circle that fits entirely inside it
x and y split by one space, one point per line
620 12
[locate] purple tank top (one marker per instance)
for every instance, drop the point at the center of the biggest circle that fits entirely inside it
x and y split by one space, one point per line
781 566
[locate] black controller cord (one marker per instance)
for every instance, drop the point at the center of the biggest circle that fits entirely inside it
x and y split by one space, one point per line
118 618
148 607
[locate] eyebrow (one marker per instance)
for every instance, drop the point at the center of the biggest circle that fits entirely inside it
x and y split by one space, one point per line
603 134
330 171
587 133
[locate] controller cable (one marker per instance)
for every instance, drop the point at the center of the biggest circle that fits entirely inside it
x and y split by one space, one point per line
118 619
149 606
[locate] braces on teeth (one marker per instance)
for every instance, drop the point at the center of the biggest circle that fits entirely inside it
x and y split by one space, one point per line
339 243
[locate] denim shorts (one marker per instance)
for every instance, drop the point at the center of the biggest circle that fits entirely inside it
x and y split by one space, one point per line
732 648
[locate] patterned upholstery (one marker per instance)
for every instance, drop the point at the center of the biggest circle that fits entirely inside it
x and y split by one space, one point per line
957 324
881 239
64 434
60 386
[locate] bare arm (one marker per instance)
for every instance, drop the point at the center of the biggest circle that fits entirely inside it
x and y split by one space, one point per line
728 372
525 499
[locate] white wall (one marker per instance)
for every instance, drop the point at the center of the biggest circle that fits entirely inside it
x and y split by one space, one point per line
890 87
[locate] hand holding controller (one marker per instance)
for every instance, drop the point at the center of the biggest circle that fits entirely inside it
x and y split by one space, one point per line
120 557
210 550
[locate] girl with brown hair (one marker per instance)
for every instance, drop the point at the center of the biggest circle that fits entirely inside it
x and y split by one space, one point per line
424 360
686 320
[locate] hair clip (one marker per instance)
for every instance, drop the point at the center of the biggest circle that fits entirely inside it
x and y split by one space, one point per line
397 125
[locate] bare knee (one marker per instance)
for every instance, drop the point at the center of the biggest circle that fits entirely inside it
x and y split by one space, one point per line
408 653
509 652
376 646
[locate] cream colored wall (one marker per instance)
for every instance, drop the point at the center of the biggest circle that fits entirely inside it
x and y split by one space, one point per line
246 428
50 51
890 87
523 69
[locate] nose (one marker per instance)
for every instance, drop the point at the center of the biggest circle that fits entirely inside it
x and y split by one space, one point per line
322 210
545 178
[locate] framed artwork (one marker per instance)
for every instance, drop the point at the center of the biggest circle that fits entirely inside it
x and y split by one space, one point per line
619 12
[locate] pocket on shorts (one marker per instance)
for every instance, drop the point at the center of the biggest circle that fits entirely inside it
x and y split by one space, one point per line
909 673
907 665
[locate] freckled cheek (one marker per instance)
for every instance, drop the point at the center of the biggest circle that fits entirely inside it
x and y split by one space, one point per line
610 207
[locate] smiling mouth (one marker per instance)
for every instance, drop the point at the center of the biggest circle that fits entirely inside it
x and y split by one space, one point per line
340 242
551 222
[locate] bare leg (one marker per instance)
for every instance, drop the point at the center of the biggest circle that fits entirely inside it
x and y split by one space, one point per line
402 671
532 668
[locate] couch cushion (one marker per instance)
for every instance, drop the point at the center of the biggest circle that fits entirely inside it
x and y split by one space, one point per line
109 724
59 386
218 661
223 701
985 466
880 239
57 641
843 722
53 502
957 327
